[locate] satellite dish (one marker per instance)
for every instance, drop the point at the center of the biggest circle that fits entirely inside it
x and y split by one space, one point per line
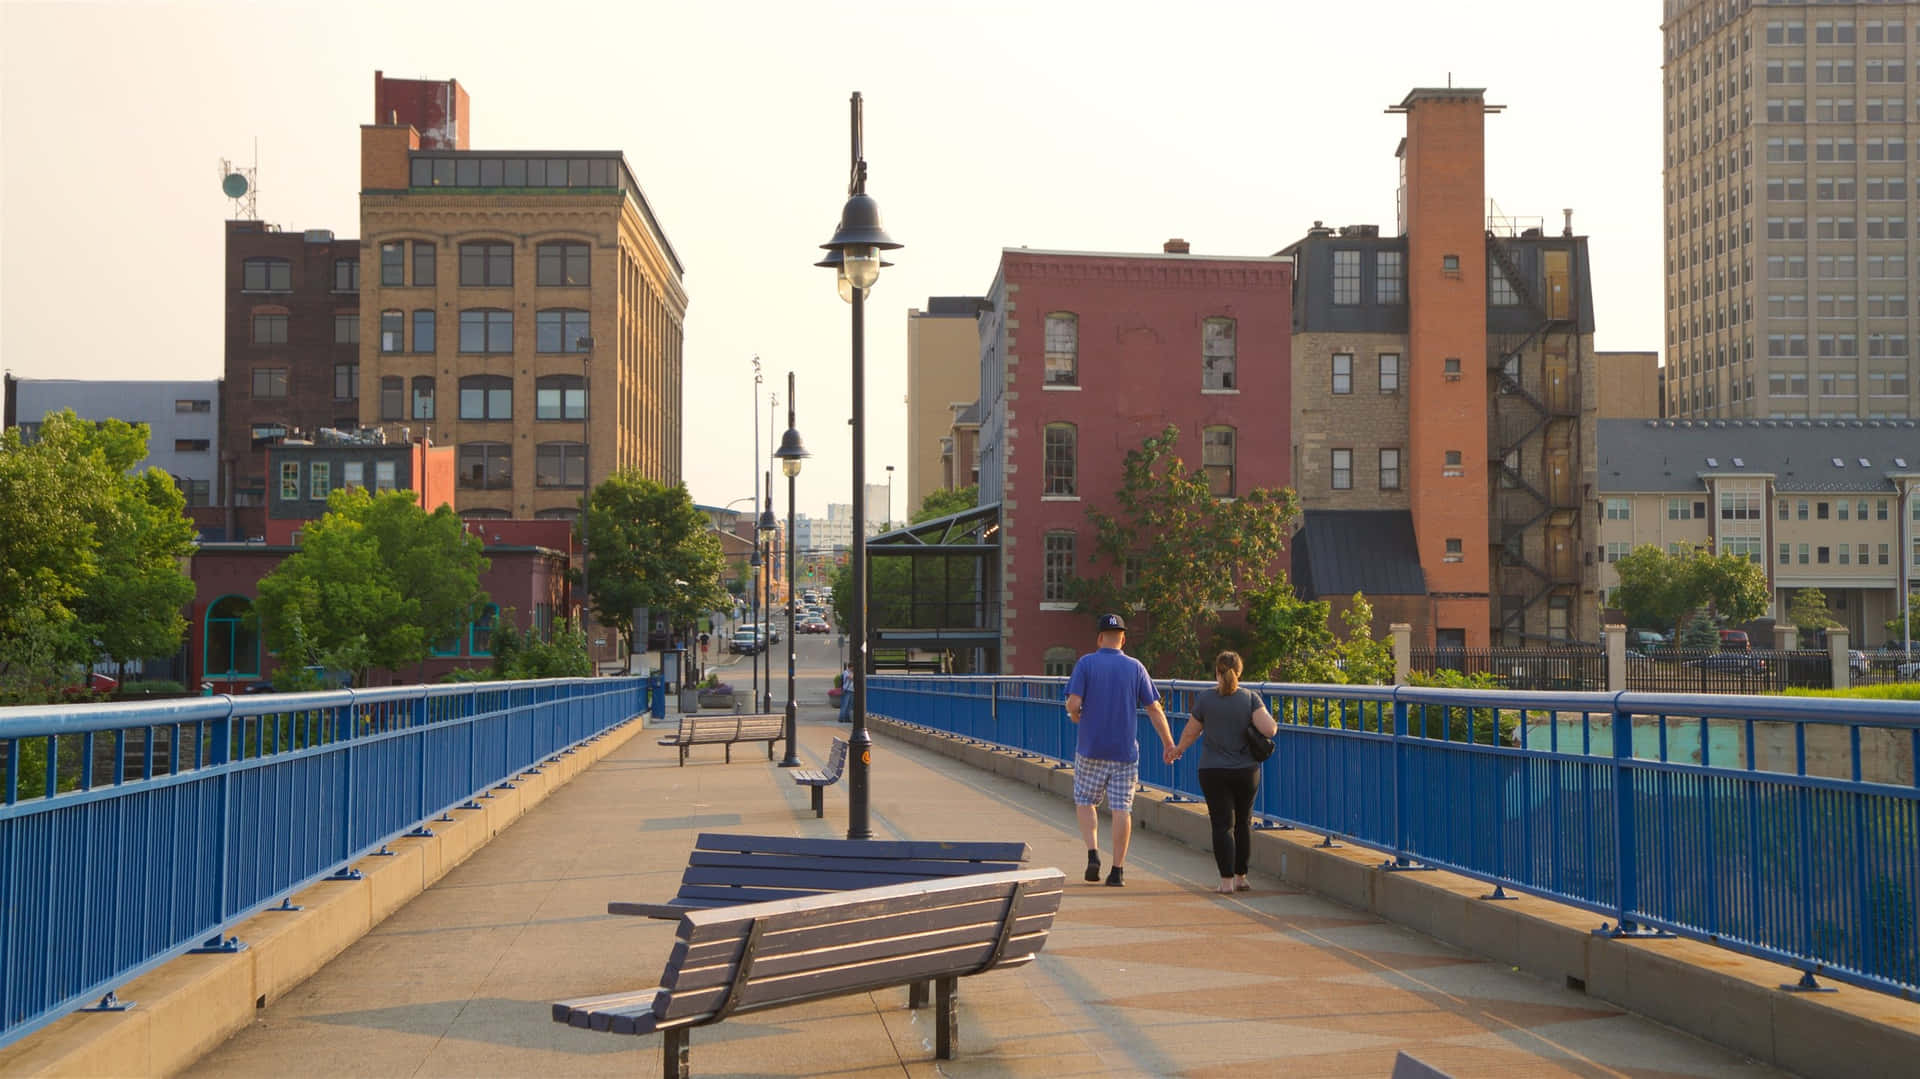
235 185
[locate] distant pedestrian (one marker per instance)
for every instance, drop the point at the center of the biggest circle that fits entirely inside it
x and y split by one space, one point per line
846 693
1229 776
1104 692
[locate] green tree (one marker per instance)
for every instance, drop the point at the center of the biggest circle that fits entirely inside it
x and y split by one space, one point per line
1657 588
1650 592
518 655
132 608
1176 552
376 581
944 501
1364 660
1731 585
1286 638
1808 612
648 546
1699 634
1899 634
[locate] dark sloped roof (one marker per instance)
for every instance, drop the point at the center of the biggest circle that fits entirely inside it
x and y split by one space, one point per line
1340 552
1671 455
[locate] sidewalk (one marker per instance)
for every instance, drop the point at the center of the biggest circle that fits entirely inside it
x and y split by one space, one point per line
1158 978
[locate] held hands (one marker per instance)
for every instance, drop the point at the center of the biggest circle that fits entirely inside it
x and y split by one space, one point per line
1172 753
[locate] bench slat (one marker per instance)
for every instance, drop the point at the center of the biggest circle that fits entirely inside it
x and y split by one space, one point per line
563 1010
1035 913
933 850
799 879
853 977
925 867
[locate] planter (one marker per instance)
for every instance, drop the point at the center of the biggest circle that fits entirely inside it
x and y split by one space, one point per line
717 699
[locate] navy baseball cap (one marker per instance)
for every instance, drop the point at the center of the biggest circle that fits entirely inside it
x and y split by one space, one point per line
1112 621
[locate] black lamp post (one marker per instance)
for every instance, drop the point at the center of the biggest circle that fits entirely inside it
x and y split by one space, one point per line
854 252
767 527
753 607
790 453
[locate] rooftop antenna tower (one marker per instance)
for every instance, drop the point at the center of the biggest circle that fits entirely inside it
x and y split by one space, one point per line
242 185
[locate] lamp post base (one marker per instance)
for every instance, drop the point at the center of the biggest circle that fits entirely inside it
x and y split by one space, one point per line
791 760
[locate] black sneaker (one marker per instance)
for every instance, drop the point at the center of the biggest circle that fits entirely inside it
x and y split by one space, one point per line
1117 877
1093 869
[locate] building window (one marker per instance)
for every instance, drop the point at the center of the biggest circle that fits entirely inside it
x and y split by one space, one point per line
423 329
1063 349
1456 551
1450 367
486 397
486 330
480 631
188 404
423 397
191 445
1880 554
346 329
346 382
1343 372
1058 662
1216 459
1061 452
1218 358
1679 510
1803 551
1615 550
393 263
423 263
1450 264
1819 511
1390 470
560 464
319 480
289 481
559 330
346 275
1389 372
269 329
1452 465
353 474
1619 509
393 331
1346 277
1389 277
486 265
1500 291
232 639
1343 470
383 476
1822 555
562 265
1880 509
486 466
196 492
1059 567
391 389
267 275
560 397
269 383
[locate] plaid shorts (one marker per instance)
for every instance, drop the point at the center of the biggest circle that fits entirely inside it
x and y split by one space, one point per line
1117 778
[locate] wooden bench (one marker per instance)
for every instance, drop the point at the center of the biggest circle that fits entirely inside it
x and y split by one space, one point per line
728 870
699 730
820 780
758 956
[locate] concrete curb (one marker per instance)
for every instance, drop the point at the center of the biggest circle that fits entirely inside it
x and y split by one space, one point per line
188 1006
1726 998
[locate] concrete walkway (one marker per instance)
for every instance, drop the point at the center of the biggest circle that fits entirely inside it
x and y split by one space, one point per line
1158 978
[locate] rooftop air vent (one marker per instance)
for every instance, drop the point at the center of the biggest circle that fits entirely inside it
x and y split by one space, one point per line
1899 462
1864 463
1738 463
1713 462
1838 463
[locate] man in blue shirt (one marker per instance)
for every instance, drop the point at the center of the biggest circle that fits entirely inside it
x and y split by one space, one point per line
1105 691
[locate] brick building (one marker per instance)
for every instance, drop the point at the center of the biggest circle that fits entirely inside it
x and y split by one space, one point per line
523 307
292 356
943 380
1443 377
1083 356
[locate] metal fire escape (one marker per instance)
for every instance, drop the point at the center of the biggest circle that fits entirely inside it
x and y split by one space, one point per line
1534 420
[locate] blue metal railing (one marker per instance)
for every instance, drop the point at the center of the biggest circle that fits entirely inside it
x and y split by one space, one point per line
169 822
1784 827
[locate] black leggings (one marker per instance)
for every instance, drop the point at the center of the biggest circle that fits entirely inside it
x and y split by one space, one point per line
1229 793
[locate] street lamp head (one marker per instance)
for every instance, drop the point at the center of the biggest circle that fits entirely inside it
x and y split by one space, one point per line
791 453
859 241
768 526
837 263
755 560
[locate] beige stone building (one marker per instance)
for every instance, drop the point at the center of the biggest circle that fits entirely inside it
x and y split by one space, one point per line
943 379
524 307
1831 505
1629 385
1791 209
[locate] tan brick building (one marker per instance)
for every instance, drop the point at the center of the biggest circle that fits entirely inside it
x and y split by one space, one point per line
525 307
1629 385
943 378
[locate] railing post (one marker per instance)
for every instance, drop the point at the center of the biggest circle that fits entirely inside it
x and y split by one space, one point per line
1399 760
1626 869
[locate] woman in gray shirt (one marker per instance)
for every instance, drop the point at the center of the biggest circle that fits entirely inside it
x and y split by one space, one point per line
1229 775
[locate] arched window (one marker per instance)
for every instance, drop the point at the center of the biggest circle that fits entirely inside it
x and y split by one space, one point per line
480 631
1057 662
1061 460
486 466
392 401
560 464
560 397
486 265
484 329
486 397
1063 349
232 641
1219 357
559 329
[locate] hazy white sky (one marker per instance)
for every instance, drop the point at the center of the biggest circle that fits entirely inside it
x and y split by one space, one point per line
1105 126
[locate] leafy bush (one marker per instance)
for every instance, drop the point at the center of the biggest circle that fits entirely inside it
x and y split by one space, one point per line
133 691
1482 731
1904 691
468 674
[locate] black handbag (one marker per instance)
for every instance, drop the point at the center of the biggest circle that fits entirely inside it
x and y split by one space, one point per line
1259 746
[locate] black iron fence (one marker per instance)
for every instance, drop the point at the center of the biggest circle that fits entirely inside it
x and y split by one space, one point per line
1521 668
1663 670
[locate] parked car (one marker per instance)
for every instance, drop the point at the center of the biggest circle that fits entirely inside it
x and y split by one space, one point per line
1730 661
1857 662
744 641
1735 640
1908 671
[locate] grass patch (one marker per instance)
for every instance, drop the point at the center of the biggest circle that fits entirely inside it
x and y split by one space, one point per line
1903 691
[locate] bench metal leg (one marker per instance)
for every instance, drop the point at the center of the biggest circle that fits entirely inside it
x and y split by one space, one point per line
819 801
729 752
673 1055
946 1017
683 756
917 994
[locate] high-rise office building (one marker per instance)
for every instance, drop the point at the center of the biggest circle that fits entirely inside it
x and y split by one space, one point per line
1791 216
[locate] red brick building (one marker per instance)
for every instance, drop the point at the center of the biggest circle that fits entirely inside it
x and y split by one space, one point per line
1084 356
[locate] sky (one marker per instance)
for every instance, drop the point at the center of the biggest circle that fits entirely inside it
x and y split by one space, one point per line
1108 126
